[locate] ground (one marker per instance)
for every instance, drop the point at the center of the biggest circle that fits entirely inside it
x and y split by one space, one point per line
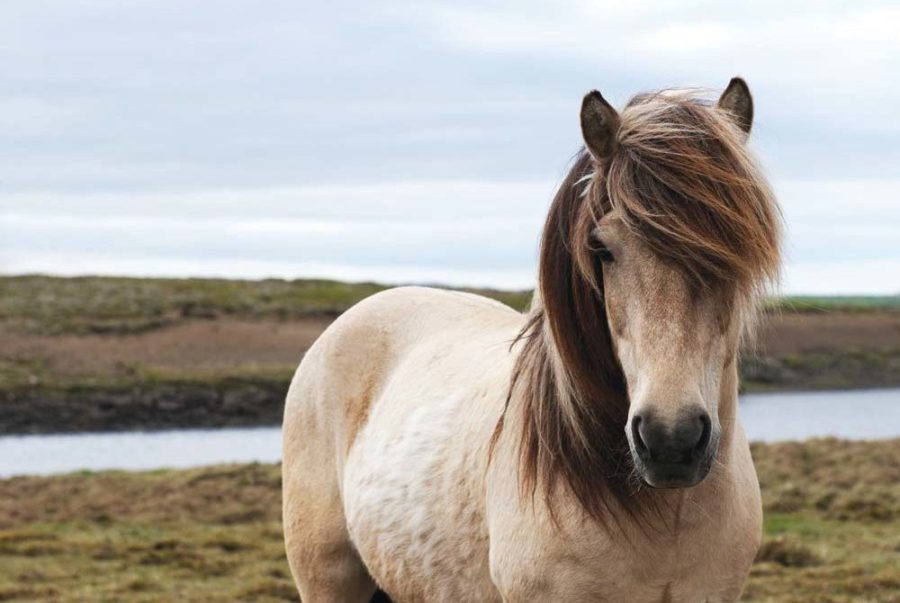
832 531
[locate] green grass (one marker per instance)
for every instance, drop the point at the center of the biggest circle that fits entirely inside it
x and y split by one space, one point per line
50 305
832 531
807 558
838 303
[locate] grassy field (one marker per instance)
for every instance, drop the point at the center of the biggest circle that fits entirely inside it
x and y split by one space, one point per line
832 531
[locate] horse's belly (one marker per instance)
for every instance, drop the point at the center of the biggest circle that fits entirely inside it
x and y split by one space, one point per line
410 510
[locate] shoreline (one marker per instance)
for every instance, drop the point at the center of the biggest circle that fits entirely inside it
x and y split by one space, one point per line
235 396
233 401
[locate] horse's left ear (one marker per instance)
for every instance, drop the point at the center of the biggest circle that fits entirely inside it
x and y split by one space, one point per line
738 102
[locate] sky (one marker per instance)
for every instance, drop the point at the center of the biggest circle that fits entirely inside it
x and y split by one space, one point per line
413 141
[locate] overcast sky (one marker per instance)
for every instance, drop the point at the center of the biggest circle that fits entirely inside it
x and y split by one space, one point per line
412 141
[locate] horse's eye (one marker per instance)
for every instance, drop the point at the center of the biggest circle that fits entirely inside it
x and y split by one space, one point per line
605 255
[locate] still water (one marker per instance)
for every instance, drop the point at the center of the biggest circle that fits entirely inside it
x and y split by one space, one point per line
870 414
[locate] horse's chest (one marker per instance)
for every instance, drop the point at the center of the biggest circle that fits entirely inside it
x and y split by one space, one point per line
583 563
411 511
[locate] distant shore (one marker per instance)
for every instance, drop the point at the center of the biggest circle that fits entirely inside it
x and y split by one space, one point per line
102 354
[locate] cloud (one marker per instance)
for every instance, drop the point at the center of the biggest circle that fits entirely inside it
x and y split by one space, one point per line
197 134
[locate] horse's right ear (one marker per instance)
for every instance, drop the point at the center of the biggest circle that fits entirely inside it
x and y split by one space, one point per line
599 125
738 103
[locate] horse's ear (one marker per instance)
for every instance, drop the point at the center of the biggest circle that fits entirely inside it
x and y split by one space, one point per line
599 125
738 103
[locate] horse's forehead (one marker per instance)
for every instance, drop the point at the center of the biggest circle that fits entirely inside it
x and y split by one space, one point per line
663 293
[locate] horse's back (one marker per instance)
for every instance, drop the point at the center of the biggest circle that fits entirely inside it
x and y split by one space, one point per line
372 397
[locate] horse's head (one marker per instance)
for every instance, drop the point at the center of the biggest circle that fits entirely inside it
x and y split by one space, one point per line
673 344
655 250
683 234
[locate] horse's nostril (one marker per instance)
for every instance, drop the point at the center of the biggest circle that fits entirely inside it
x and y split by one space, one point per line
639 445
705 432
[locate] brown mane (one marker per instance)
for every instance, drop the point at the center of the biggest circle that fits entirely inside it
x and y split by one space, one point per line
684 182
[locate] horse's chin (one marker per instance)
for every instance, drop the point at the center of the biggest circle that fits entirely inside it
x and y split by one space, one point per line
670 483
670 476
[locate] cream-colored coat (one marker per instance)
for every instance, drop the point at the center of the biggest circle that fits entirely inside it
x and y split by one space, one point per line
387 481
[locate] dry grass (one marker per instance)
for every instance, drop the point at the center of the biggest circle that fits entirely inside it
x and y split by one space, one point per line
195 535
832 531
118 305
833 479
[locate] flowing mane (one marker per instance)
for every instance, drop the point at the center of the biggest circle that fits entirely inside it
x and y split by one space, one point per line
683 181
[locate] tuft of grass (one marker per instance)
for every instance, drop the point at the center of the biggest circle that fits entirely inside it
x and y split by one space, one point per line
787 553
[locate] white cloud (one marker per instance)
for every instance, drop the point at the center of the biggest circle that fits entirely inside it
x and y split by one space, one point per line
85 263
458 232
855 277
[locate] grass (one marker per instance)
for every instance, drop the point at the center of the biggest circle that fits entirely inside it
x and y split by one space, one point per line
196 535
832 531
53 306
838 303
33 375
821 370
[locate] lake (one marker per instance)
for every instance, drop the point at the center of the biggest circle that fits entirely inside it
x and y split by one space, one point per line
868 414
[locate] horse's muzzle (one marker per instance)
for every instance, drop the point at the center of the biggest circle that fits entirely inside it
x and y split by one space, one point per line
674 455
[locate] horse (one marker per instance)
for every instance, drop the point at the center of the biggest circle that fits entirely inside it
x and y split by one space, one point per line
441 446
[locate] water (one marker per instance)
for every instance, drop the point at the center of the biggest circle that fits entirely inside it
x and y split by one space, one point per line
46 454
871 414
855 415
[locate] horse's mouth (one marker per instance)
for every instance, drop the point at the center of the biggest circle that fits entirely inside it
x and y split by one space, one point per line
669 475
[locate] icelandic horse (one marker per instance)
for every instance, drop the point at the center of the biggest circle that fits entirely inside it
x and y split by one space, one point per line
440 446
